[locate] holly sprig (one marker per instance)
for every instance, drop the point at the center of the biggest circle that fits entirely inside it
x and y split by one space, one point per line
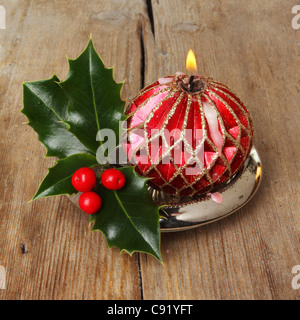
67 115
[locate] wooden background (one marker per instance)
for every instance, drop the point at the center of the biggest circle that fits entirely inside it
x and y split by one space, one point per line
46 246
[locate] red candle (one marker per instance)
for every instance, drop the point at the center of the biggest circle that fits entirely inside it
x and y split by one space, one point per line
188 133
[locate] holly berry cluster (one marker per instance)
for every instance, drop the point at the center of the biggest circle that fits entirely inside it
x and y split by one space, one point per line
84 180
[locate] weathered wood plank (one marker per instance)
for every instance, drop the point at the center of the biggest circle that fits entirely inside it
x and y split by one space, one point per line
252 47
46 246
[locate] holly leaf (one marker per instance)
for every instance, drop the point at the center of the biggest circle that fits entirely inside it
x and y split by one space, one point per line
58 179
67 117
129 219
45 106
94 96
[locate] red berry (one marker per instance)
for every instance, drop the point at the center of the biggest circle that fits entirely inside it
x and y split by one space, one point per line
84 179
113 179
90 202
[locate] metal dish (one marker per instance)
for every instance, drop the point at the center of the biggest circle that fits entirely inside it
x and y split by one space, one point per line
236 193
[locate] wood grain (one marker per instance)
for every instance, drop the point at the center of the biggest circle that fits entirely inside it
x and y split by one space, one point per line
46 246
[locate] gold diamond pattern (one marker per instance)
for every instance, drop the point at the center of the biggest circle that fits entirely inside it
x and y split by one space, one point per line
215 90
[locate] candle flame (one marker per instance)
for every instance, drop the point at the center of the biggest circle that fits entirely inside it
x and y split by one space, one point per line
191 65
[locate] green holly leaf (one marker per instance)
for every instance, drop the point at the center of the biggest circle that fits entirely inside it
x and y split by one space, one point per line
58 179
45 106
67 117
94 96
129 219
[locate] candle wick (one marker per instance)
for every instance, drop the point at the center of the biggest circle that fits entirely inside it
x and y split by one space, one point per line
191 83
